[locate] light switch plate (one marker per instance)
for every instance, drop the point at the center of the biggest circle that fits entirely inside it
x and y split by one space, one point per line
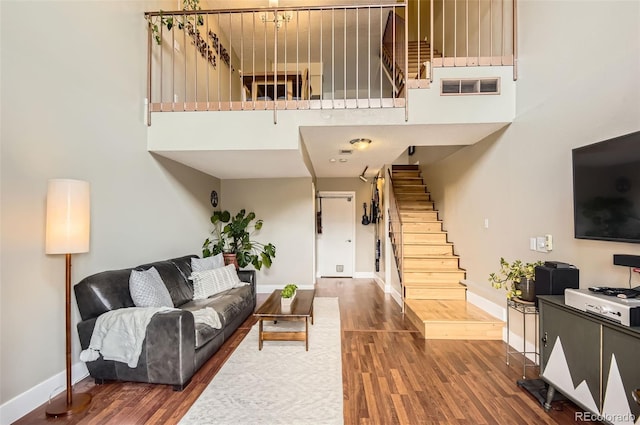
541 244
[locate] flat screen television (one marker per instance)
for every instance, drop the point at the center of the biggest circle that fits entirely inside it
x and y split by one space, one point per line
606 189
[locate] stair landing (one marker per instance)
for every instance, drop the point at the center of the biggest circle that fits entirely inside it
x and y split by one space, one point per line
452 319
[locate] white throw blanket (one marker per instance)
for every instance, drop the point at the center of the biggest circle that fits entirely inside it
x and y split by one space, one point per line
208 316
118 334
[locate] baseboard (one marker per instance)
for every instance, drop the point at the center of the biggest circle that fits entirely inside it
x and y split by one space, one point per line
489 306
397 297
380 282
34 397
515 341
500 312
364 275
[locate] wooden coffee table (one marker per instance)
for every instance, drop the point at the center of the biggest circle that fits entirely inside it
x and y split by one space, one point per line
301 310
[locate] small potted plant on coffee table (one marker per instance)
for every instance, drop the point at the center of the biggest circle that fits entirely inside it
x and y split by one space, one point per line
287 296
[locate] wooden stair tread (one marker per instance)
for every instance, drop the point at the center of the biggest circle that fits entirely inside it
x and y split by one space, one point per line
426 243
424 221
450 270
431 256
450 284
427 232
405 166
449 311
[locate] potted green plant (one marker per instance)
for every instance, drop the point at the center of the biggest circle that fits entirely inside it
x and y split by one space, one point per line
287 295
233 235
517 278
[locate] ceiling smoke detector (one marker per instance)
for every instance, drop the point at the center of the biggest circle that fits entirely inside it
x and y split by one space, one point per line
360 143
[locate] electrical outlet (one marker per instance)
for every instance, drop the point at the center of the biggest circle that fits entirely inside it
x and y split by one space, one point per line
548 242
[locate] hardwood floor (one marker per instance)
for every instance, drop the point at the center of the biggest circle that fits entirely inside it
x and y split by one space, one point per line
391 375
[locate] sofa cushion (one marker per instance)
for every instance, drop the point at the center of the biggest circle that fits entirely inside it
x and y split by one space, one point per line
227 304
148 290
175 273
210 282
207 263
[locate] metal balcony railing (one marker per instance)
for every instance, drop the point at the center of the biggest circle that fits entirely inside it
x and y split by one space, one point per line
336 57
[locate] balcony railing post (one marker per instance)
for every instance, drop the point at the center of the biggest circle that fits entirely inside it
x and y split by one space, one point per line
515 39
431 40
149 100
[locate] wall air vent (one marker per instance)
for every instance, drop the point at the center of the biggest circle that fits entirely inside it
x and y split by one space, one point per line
465 86
346 151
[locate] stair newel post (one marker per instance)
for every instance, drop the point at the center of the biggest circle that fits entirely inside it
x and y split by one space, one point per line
401 258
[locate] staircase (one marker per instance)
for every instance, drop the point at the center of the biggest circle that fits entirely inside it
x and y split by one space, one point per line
435 300
396 74
425 51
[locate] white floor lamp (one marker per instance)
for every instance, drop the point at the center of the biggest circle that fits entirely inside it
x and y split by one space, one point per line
68 218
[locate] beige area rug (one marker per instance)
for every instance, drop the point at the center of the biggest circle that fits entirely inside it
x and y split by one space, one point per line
283 383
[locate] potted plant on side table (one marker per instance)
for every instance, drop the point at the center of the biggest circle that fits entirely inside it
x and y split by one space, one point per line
287 296
232 236
517 278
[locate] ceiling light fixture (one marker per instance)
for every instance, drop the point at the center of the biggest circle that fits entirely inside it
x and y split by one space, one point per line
278 18
360 143
361 176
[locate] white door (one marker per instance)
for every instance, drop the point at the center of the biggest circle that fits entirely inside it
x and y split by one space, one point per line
336 244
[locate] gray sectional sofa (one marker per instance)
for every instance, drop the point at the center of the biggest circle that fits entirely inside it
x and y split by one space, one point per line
174 347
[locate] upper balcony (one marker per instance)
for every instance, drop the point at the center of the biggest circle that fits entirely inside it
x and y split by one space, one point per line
418 63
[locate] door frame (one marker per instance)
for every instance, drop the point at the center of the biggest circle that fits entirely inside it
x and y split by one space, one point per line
340 194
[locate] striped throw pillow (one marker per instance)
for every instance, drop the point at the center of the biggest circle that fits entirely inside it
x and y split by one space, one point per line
210 282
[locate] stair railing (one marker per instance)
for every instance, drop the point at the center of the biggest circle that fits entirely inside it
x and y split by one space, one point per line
396 235
394 52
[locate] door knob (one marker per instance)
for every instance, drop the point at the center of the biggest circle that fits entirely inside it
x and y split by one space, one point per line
348 240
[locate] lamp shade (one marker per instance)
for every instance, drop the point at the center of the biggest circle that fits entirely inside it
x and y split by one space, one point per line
68 217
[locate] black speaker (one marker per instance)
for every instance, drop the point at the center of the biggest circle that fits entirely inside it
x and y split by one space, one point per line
626 260
554 277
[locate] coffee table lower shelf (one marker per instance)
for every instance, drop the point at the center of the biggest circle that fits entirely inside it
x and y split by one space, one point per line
301 311
285 336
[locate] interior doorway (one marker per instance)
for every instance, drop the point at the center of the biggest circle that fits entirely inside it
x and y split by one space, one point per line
336 236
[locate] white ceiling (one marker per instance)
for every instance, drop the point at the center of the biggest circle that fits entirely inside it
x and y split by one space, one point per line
388 143
324 143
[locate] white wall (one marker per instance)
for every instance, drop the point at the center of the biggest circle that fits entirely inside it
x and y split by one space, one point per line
73 84
365 254
287 208
520 178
